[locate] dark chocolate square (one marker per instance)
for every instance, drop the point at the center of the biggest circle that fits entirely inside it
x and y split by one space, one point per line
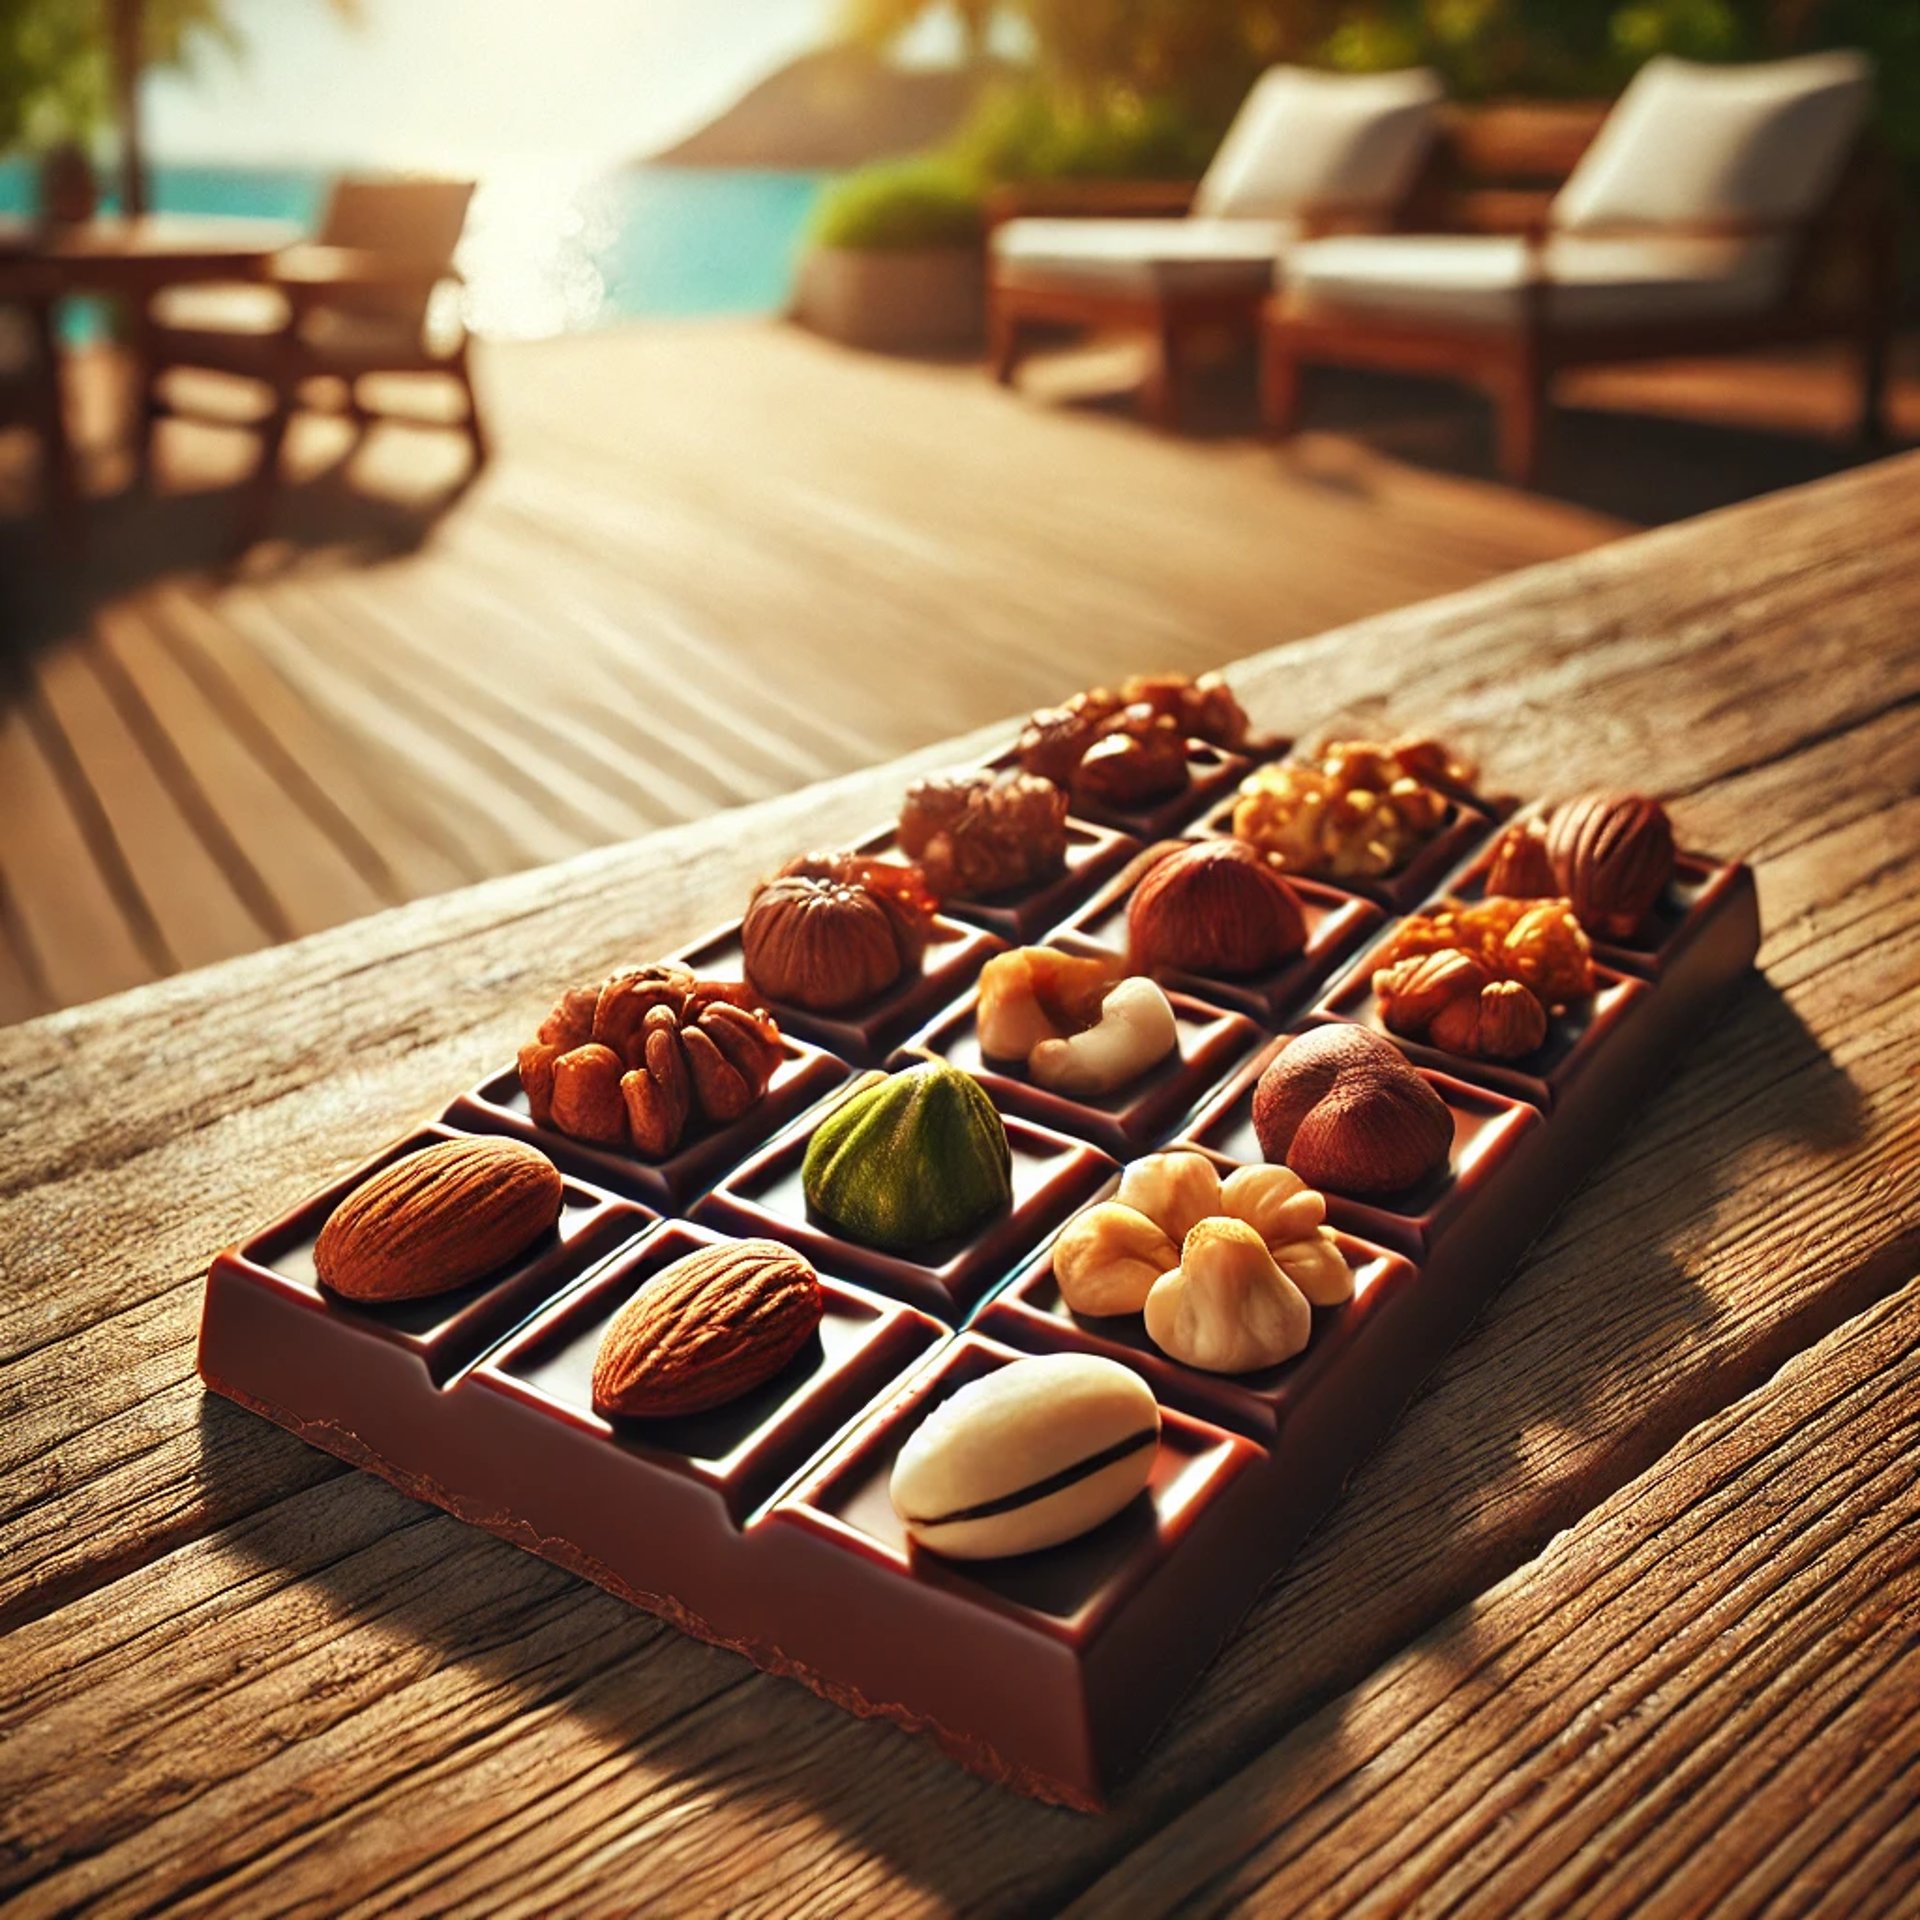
744 1451
805 1072
1337 922
1021 914
1211 771
1125 1122
1487 1126
1703 893
1464 829
863 1035
1030 1314
445 1332
1070 1593
1575 1035
1052 1176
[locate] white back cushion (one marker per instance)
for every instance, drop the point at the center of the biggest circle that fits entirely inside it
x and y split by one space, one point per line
1692 143
1307 139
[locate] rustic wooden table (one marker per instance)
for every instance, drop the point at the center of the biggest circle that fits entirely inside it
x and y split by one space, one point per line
1622 1617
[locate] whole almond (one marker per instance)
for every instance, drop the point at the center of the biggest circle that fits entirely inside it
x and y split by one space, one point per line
707 1329
1613 856
438 1219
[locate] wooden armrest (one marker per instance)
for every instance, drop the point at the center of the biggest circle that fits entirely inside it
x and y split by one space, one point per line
1100 199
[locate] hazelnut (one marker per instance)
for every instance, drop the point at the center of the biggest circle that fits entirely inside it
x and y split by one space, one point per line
1108 1257
1132 769
1227 1307
1612 855
1176 1190
1341 1106
1217 907
830 931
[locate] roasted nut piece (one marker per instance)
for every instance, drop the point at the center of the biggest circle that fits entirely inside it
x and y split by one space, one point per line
1132 765
1136 1030
637 1061
1520 869
707 1329
1274 1201
1612 855
831 931
1203 709
1354 811
1034 1453
1108 1257
982 833
1536 942
1054 739
1035 994
1213 907
1411 992
1227 1307
1175 1190
437 1219
1453 999
1341 1106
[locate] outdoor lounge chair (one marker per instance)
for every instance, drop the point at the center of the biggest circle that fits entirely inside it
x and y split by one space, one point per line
1717 208
30 393
1308 152
356 302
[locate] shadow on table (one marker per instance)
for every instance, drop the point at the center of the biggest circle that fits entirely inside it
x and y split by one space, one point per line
1457 1498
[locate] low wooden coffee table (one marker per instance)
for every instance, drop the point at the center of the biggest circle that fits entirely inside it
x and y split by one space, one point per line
1622 1614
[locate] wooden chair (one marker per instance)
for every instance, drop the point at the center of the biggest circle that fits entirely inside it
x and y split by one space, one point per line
1308 152
1712 209
358 301
30 390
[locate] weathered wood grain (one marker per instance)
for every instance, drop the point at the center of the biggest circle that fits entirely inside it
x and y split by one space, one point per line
1705 1696
389 1708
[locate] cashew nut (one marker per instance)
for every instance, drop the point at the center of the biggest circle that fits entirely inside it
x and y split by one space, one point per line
1135 1031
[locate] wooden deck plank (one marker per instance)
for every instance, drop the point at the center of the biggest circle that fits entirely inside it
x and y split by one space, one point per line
334 1664
314 761
75 922
286 858
1708 1682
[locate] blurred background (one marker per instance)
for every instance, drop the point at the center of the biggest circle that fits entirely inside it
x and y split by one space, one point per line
642 459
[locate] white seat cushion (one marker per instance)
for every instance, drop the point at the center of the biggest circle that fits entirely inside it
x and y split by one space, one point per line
220 307
1305 139
1479 279
1698 144
1142 256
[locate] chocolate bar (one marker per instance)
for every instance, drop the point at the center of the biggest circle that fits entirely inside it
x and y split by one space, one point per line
765 1524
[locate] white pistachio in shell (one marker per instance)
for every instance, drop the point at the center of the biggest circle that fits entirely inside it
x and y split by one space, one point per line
1227 1307
1135 1032
1036 1452
1108 1257
1176 1191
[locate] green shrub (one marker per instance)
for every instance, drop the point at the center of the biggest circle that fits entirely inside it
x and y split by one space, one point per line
1029 132
930 201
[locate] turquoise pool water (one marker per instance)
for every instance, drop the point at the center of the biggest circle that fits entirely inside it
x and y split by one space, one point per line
549 251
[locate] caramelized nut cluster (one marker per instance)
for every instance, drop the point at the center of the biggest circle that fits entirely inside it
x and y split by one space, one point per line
1354 811
976 834
1127 747
1537 943
635 1062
